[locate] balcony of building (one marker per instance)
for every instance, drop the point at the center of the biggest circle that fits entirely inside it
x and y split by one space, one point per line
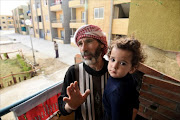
120 26
56 6
40 25
120 19
76 23
121 1
57 23
21 15
59 39
9 19
76 3
24 32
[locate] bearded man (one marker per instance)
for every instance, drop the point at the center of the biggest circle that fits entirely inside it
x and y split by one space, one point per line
84 83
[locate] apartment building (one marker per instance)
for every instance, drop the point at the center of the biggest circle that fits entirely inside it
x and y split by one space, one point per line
6 22
144 19
20 15
61 15
110 15
51 20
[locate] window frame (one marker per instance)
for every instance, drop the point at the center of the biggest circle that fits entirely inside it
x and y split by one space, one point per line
98 10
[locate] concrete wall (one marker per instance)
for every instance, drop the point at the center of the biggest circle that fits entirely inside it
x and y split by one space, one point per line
156 23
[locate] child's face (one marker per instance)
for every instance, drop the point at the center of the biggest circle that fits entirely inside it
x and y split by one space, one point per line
120 63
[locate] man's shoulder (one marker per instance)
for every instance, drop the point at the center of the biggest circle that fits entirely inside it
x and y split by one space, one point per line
74 67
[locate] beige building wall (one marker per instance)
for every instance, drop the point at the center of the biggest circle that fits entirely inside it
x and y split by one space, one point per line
156 24
79 13
104 22
34 17
58 13
45 18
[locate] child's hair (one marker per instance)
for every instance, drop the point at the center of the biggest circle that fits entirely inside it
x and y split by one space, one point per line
132 45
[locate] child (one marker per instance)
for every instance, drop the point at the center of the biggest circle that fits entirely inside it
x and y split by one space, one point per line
120 95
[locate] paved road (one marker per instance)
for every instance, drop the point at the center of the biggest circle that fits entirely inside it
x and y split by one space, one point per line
66 51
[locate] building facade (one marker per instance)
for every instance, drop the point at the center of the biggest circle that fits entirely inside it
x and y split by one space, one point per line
51 20
57 20
6 22
20 15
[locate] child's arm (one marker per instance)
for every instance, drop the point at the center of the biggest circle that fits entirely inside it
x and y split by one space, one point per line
135 111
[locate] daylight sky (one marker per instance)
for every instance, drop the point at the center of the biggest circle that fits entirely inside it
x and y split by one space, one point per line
6 6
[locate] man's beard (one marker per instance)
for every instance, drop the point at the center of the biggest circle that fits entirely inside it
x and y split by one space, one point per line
94 57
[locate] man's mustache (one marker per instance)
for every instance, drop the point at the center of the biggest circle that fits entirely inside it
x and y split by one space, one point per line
86 53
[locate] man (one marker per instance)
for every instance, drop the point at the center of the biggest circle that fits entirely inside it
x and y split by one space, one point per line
56 49
86 78
84 83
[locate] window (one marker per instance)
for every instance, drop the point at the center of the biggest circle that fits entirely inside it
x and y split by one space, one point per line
3 22
62 34
83 17
38 5
61 17
48 32
2 17
58 1
35 19
39 18
98 13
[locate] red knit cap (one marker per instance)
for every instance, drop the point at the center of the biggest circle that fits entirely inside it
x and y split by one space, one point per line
91 31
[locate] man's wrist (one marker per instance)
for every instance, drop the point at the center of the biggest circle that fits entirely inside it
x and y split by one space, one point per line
68 108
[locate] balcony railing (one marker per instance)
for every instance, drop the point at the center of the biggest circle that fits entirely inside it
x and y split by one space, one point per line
77 21
7 109
56 3
56 21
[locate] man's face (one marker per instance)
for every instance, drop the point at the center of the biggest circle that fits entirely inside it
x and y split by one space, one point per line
120 63
90 50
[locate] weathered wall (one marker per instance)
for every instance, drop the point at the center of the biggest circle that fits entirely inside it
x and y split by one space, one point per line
156 23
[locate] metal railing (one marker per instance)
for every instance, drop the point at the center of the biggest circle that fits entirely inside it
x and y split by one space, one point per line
56 21
62 38
7 109
77 21
57 3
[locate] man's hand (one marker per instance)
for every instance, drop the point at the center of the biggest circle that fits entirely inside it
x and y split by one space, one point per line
75 97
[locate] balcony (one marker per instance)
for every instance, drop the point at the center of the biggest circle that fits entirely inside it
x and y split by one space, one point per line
57 23
22 25
38 11
9 19
21 15
40 25
76 23
31 25
24 32
76 3
121 1
120 26
55 7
